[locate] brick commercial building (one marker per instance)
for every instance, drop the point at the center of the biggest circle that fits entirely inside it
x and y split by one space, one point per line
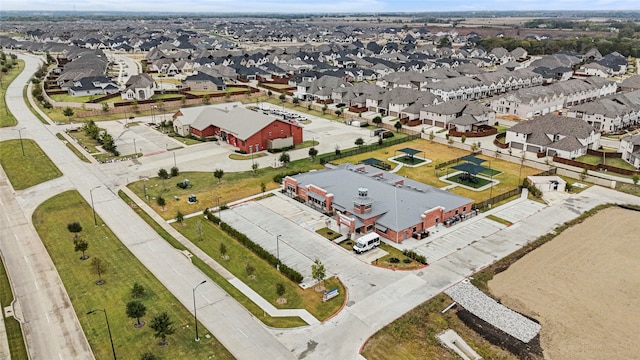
365 199
247 130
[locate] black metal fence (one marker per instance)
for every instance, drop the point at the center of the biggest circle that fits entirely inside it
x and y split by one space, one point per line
366 148
496 199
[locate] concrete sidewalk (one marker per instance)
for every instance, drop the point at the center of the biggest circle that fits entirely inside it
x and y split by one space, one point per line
237 283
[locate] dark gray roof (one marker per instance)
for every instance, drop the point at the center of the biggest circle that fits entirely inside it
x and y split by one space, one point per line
398 206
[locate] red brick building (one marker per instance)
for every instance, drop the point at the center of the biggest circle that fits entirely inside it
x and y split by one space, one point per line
247 130
365 199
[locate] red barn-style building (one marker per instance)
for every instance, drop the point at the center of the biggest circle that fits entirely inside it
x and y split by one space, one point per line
247 130
365 199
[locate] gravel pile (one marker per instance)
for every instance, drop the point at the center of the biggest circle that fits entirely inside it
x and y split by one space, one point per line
487 309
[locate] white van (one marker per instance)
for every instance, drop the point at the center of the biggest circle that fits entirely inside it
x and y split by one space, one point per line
366 242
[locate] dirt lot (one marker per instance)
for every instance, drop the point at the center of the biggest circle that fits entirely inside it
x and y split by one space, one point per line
583 287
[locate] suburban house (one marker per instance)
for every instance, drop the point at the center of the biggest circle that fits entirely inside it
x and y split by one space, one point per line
139 87
447 113
630 149
366 199
554 135
204 82
249 131
612 113
92 85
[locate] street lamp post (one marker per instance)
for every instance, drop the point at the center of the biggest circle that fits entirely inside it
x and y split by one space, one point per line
195 314
153 115
135 151
174 160
113 349
278 252
491 189
20 135
95 221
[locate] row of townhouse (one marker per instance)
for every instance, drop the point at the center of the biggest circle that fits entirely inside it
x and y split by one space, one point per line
530 102
610 114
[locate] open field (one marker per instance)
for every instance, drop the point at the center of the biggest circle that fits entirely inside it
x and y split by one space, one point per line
581 287
7 118
31 169
123 270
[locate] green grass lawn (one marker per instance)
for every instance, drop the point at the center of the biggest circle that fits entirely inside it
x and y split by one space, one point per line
266 276
89 143
73 99
7 118
31 169
17 348
233 186
123 270
72 148
595 160
328 233
276 322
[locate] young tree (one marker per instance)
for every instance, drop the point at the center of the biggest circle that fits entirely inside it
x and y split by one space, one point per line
163 174
377 121
206 98
463 138
105 107
431 136
163 327
161 202
75 228
280 289
282 97
263 187
583 174
137 291
179 217
223 250
199 229
398 125
296 101
450 141
68 112
324 109
218 173
175 171
250 269
318 271
136 310
148 356
81 245
635 178
255 167
98 267
359 141
269 93
285 159
312 153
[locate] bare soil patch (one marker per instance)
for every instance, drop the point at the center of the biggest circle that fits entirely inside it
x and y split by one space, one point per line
582 286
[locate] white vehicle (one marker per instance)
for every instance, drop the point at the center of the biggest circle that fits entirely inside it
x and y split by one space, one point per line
366 242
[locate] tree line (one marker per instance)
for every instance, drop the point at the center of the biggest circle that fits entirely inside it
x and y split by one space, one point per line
627 46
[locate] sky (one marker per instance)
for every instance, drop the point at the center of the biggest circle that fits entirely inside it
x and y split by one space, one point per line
315 6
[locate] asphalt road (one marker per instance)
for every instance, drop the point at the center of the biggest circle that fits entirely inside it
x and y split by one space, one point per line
237 330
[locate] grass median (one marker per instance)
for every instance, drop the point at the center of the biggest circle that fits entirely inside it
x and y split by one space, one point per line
31 169
276 322
7 118
17 349
122 271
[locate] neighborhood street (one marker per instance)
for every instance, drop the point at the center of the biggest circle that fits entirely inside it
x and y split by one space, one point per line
375 296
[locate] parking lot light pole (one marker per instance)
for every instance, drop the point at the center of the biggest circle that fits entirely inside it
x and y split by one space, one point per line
113 349
95 221
135 149
195 314
278 252
20 135
219 210
174 160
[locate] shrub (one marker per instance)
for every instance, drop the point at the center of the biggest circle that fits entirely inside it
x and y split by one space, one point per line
394 260
415 256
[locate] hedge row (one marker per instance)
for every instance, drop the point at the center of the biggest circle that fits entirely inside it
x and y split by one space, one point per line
415 256
257 249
